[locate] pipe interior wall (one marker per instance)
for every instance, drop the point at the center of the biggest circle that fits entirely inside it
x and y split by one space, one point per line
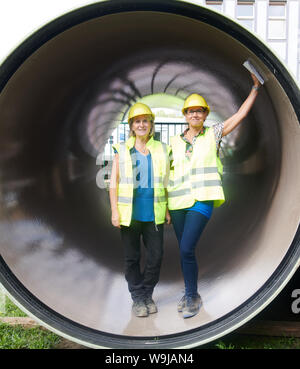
57 112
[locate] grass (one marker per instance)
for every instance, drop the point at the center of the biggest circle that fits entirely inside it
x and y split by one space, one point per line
238 341
12 310
17 337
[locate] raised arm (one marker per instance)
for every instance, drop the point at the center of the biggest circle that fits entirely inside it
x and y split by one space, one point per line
113 192
231 123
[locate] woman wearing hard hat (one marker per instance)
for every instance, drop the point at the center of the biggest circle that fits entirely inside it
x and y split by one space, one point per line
195 186
139 204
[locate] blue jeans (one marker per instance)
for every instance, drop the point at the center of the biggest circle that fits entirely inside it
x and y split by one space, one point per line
188 226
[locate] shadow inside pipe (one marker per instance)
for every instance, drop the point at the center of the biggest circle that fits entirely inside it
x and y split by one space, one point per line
55 218
63 194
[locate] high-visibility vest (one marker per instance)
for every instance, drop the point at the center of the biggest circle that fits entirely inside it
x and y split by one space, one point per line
198 178
160 169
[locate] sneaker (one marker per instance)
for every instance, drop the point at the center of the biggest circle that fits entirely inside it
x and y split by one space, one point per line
139 308
192 306
152 308
181 304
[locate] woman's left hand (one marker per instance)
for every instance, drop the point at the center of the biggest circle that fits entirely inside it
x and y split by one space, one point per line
255 80
168 217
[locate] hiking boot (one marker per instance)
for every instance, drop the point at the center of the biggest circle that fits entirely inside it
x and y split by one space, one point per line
191 307
139 308
152 308
181 304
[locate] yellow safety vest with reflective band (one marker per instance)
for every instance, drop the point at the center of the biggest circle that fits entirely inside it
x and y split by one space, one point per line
160 164
197 178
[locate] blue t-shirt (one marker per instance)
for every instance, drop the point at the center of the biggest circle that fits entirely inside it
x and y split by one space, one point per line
143 192
203 207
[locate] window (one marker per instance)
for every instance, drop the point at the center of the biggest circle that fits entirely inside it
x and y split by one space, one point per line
215 4
277 27
277 10
279 48
277 20
244 10
245 14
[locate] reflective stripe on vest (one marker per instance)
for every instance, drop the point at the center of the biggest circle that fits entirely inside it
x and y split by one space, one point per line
129 180
197 178
128 200
193 171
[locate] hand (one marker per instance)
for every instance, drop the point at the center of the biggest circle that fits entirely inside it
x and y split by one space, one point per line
255 80
168 217
115 219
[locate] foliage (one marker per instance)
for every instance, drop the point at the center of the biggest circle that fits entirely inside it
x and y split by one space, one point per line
236 341
12 310
17 337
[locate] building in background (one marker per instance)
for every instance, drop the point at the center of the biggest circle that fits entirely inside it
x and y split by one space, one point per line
276 22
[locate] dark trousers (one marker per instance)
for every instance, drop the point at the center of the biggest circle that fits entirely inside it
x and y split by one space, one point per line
188 226
141 283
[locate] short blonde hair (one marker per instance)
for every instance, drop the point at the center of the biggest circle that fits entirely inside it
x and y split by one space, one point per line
152 130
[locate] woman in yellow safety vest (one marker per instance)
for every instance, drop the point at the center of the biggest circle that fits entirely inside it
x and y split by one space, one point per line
195 186
139 204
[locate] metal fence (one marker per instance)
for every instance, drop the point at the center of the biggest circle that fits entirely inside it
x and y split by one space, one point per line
163 132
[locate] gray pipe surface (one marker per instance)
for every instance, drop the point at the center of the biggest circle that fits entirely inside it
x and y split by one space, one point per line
62 93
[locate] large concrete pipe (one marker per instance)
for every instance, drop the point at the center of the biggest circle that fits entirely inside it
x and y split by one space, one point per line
62 93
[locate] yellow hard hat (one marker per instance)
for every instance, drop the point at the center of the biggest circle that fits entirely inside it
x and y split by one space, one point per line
195 100
139 109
